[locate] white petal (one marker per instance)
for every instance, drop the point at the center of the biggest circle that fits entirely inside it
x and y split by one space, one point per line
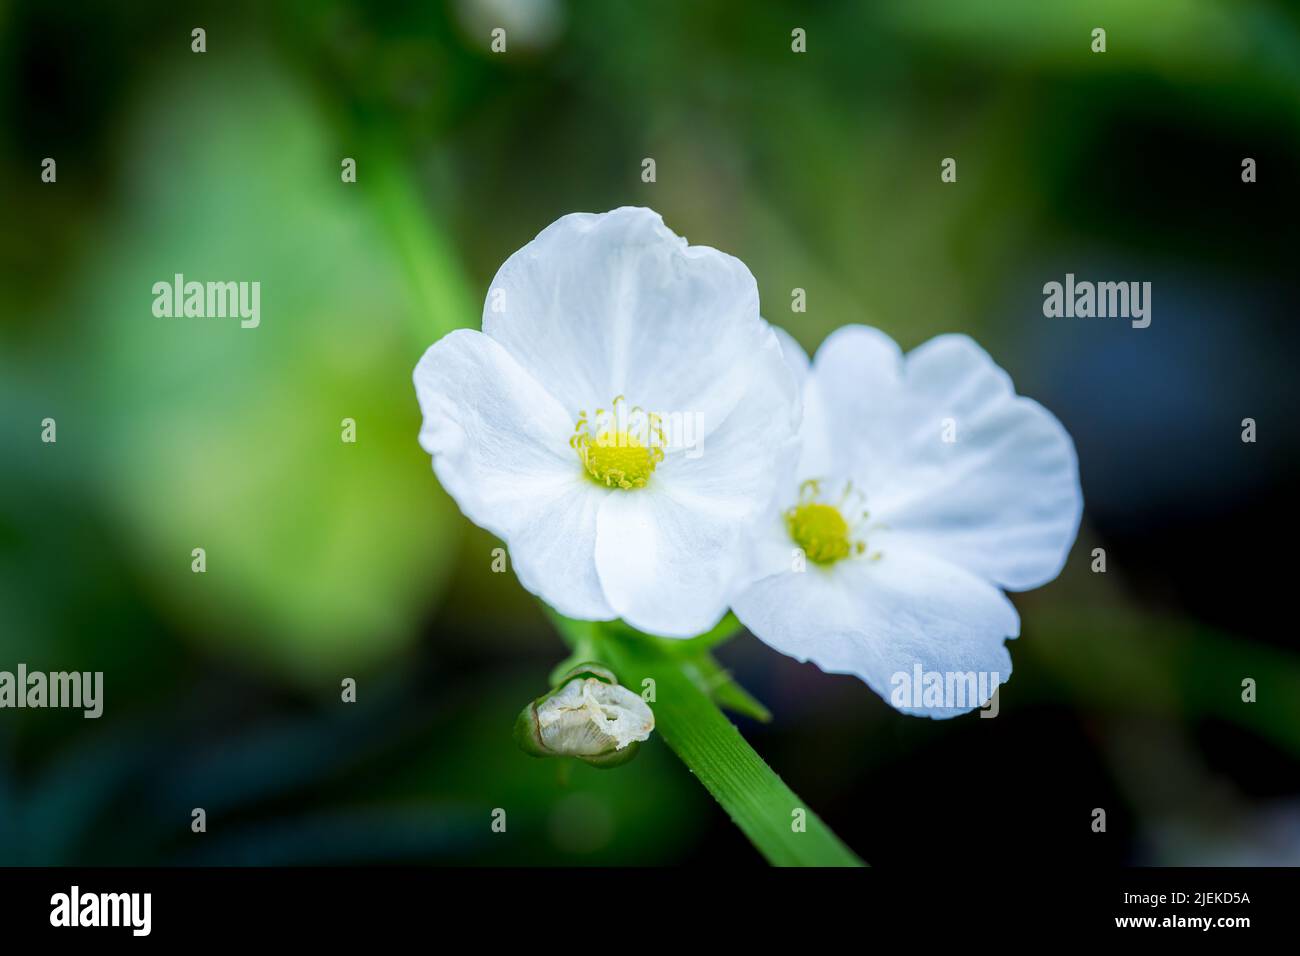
1002 499
850 403
499 443
795 357
736 469
879 619
554 550
769 549
668 566
601 305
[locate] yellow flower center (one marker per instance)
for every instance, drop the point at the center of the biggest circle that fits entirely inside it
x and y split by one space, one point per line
624 449
821 529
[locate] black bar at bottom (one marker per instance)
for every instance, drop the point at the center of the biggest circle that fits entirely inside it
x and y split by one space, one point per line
533 905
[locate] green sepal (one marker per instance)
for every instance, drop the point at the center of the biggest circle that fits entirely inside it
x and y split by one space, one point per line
615 758
526 733
584 669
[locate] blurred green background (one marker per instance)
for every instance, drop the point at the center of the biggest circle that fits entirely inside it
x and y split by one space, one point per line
821 171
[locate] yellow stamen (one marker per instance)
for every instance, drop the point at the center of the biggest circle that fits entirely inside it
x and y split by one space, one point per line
820 529
622 454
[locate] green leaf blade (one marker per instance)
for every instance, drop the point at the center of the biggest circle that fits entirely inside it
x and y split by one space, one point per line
691 723
755 798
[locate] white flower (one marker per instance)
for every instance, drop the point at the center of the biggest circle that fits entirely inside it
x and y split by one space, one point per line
925 487
536 426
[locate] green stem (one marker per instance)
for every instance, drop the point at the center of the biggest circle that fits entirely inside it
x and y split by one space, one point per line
770 814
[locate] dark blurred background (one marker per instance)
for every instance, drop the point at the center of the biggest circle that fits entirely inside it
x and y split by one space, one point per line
821 171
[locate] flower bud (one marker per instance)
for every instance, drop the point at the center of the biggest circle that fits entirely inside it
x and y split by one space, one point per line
588 715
